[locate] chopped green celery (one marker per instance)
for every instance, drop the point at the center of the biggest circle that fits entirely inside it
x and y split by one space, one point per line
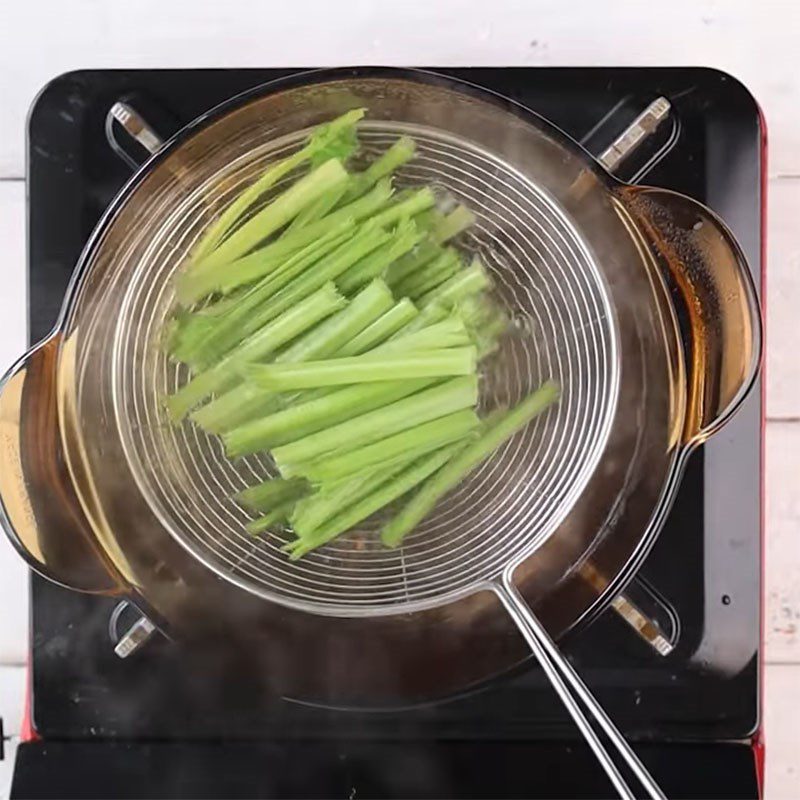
375 264
304 418
327 269
419 257
329 500
379 331
428 219
363 369
273 492
392 488
265 341
273 216
431 403
470 281
398 154
450 332
320 207
418 201
207 340
245 401
326 140
465 461
235 407
430 315
431 275
417 441
194 284
278 514
458 220
366 307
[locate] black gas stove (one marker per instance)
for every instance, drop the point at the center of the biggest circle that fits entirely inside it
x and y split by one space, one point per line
161 722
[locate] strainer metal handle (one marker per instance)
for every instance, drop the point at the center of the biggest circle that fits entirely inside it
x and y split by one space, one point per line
576 697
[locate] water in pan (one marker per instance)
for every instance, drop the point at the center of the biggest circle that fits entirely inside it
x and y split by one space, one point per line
546 279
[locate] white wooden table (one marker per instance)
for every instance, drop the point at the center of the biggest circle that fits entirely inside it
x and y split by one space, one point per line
757 42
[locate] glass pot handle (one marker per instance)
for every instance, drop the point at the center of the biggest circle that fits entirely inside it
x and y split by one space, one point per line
39 508
718 300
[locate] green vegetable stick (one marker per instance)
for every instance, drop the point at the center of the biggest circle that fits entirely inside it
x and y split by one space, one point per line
298 421
375 264
430 315
197 283
272 493
450 332
318 508
363 369
418 201
335 331
397 155
390 490
419 440
380 330
423 254
328 268
278 514
431 275
282 209
319 139
280 331
454 223
207 340
320 207
464 462
246 402
235 407
432 403
470 281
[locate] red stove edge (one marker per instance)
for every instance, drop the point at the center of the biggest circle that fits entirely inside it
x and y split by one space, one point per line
757 741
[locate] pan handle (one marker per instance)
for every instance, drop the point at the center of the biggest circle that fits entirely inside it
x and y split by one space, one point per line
576 697
39 508
717 298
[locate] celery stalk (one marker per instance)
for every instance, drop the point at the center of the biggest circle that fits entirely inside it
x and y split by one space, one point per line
376 263
329 268
450 332
432 403
363 369
332 334
436 272
273 216
305 418
280 331
454 223
197 283
264 523
418 440
318 508
470 281
320 207
235 407
379 331
272 493
414 261
401 151
204 341
319 139
390 490
465 461
418 201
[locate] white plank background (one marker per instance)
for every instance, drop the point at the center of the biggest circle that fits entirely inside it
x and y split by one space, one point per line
756 42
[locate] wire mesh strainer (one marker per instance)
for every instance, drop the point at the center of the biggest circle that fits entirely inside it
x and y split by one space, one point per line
546 278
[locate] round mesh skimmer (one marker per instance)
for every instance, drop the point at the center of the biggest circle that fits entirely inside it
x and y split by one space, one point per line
564 329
